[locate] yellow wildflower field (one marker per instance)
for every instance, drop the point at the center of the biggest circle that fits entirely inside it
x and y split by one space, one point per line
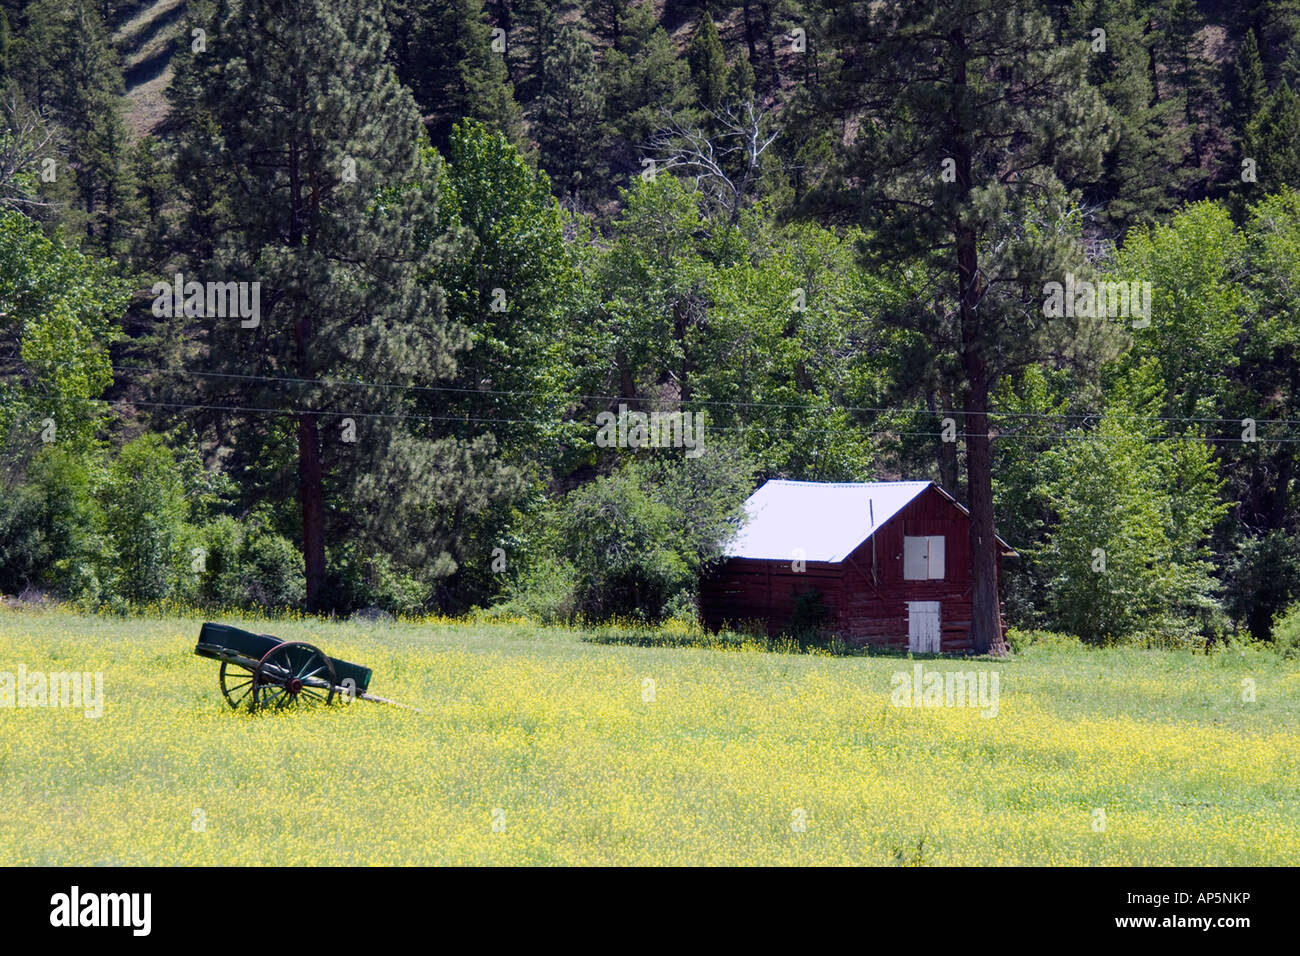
533 746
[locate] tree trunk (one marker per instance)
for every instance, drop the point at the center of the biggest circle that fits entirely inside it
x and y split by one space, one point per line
986 608
311 495
311 483
750 39
311 470
947 449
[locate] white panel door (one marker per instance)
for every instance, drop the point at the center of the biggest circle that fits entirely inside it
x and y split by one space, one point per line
923 627
916 561
935 549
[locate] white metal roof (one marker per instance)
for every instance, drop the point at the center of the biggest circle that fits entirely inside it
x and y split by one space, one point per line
826 522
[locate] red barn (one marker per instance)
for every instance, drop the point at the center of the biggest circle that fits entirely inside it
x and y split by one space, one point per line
879 562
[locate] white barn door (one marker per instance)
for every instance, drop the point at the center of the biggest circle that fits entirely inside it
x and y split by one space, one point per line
923 627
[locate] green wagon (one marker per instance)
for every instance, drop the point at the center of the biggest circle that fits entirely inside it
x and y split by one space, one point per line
261 671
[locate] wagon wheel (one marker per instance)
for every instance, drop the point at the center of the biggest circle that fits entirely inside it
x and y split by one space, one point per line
236 684
293 673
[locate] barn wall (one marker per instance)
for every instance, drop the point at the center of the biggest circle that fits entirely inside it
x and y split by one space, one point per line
744 590
866 591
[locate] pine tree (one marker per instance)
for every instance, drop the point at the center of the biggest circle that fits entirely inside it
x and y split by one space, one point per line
740 81
71 71
607 18
708 64
1276 25
153 195
759 18
1273 141
1248 89
644 79
308 157
443 53
1143 173
534 24
6 43
570 109
978 116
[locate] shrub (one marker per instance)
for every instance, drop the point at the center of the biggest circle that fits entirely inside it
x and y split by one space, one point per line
624 547
359 580
638 539
143 500
1286 632
51 527
544 592
1021 639
273 571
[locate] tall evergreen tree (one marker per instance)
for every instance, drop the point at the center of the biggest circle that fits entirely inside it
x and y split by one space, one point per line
6 43
644 80
310 146
1186 76
532 27
1248 88
569 113
71 72
1273 141
708 64
975 115
1276 25
1143 174
443 53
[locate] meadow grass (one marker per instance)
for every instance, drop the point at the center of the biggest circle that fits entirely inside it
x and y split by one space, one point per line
550 737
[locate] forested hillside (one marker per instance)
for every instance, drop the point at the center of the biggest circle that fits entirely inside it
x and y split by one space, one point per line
329 305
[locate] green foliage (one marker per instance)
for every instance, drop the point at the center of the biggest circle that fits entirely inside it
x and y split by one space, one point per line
1143 171
360 580
342 226
1021 640
637 539
621 543
143 501
766 328
1273 141
247 566
570 109
1286 632
1249 88
443 53
51 526
69 70
1264 578
1127 552
58 310
544 592
518 361
1194 264
822 350
644 78
708 64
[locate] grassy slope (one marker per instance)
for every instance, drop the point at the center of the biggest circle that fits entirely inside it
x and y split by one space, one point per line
146 34
554 732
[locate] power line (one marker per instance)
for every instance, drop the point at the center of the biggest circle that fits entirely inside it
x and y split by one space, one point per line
1052 416
556 424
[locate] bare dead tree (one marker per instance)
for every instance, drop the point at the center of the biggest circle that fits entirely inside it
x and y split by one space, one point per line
726 162
26 139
